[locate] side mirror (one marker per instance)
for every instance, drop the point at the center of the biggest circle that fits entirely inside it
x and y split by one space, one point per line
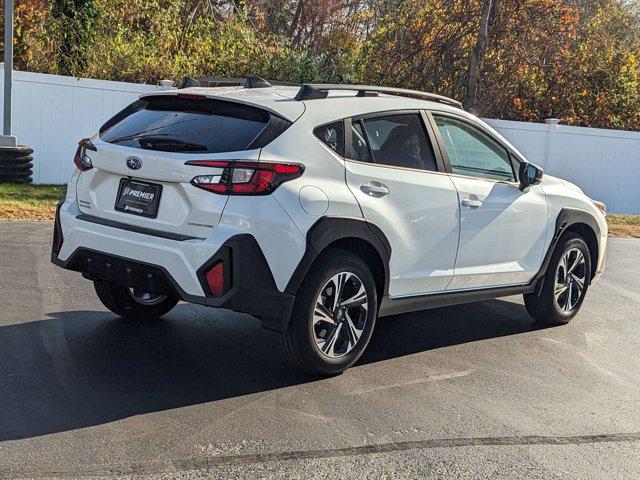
529 175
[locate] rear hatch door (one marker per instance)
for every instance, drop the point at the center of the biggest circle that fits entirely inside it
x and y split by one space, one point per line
140 176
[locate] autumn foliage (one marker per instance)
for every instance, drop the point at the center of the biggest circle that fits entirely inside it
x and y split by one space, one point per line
575 60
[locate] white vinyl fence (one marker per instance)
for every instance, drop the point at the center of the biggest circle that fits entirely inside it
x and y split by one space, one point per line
604 163
51 113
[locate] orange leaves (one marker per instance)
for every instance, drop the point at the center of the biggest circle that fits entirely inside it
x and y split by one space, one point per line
571 59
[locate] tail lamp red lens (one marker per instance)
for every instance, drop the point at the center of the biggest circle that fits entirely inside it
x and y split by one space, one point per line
245 178
215 279
81 159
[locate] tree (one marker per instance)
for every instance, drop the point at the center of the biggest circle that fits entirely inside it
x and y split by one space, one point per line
76 21
578 60
477 55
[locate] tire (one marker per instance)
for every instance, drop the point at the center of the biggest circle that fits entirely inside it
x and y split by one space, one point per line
10 179
300 343
15 161
15 172
546 309
12 169
20 150
120 301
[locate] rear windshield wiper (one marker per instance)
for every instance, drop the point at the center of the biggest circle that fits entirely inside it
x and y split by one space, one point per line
149 130
169 145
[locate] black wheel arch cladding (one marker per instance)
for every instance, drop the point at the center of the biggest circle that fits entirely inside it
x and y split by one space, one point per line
334 231
573 219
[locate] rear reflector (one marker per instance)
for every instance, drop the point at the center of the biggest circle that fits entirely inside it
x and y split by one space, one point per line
215 279
245 178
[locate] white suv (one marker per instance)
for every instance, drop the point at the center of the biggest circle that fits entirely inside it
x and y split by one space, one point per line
318 209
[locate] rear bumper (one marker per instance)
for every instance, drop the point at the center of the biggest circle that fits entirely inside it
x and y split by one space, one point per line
168 266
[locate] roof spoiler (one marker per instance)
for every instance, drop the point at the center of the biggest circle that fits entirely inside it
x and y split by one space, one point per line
314 91
246 82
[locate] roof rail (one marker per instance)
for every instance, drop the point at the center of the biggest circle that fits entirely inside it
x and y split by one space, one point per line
246 82
313 91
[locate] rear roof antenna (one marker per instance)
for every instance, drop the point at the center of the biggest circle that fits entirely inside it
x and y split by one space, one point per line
256 82
307 92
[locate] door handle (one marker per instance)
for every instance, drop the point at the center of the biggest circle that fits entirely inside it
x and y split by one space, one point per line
471 202
375 189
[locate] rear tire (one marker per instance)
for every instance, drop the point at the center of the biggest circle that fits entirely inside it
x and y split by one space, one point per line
16 161
13 152
565 284
15 179
15 173
326 335
122 301
25 169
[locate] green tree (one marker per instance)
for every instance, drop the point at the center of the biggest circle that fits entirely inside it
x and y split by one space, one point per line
75 21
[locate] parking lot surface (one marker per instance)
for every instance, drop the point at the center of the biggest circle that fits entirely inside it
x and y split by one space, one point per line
473 391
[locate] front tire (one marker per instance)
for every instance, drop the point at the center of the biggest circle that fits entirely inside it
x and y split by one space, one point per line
333 316
565 284
131 303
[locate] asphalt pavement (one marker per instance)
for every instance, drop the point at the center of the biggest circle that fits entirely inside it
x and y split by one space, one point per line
473 391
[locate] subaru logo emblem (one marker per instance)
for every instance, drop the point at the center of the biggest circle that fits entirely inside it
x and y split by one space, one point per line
134 163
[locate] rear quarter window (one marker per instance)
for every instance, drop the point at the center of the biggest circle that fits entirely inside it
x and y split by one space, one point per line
192 125
332 135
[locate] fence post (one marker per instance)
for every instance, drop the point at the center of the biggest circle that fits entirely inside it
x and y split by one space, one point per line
551 141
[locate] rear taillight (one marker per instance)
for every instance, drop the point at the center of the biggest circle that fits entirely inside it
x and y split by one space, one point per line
81 159
245 178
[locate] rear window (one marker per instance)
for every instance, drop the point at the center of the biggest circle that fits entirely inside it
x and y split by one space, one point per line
194 125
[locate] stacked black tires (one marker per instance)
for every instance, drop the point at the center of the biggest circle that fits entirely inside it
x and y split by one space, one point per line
16 164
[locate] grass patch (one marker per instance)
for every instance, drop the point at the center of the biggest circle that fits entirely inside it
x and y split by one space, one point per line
29 202
624 226
38 202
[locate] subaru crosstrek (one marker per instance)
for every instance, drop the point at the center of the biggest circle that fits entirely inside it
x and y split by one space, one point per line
318 209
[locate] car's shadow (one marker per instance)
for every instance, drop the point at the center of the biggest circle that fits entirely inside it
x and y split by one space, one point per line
81 368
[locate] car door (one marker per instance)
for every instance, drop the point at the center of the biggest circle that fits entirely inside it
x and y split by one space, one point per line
400 184
502 229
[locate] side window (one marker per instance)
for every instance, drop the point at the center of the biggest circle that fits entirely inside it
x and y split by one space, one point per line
472 152
400 141
332 135
359 147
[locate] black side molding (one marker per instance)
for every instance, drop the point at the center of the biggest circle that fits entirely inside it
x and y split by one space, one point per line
397 306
